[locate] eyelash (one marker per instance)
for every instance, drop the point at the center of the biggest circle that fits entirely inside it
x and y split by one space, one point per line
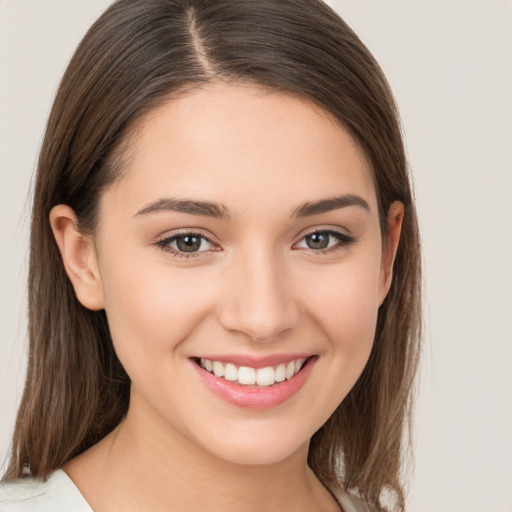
343 242
164 244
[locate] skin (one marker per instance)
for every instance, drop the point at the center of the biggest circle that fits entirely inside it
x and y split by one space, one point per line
255 289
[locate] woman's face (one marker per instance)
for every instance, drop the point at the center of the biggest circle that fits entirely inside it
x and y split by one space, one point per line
243 236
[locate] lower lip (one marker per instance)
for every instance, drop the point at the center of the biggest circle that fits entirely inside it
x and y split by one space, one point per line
254 397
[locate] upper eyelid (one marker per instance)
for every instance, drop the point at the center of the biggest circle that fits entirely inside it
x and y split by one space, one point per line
164 241
213 240
187 231
343 240
324 229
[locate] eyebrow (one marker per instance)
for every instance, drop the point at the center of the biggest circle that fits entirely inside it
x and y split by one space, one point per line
209 209
204 208
327 205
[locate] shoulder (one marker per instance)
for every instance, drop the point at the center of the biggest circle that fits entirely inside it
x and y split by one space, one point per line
56 494
351 503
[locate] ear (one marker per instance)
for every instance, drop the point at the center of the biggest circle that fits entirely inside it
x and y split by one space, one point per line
79 257
390 246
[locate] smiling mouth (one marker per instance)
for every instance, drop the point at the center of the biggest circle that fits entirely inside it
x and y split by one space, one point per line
253 377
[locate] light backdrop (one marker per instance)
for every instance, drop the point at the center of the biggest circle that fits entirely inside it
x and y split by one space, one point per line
450 65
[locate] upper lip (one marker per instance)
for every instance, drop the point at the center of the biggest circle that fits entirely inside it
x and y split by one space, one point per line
253 361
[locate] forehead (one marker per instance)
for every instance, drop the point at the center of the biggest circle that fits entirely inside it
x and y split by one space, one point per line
240 144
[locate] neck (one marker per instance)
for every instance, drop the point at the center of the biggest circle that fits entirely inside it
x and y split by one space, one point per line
141 465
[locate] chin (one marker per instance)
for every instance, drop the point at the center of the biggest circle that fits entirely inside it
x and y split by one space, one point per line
258 447
259 455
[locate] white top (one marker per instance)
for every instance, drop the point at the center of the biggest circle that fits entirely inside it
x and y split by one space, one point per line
56 494
59 494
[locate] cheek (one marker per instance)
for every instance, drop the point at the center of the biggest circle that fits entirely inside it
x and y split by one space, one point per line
339 309
151 310
344 302
351 317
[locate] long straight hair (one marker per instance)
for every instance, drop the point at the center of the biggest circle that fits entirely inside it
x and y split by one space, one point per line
137 55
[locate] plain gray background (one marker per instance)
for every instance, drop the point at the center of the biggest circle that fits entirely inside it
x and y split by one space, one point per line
450 65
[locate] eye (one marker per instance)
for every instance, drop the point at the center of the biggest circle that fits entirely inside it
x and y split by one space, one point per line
325 240
186 244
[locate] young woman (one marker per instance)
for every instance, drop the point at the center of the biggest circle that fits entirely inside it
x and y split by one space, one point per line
224 274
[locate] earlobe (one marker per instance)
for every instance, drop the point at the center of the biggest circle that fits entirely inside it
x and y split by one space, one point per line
394 227
78 256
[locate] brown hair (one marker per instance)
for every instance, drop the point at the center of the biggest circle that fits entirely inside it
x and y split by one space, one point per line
137 55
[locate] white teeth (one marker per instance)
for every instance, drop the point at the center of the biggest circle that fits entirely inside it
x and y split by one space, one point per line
218 369
298 364
248 376
230 372
280 373
290 369
265 376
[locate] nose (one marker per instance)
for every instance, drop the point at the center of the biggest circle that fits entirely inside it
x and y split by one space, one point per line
258 300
